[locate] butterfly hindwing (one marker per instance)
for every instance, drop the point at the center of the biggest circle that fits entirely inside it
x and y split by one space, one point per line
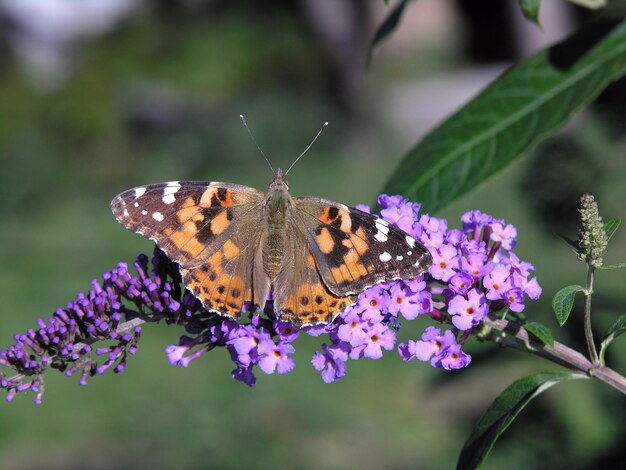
224 282
300 296
190 221
354 250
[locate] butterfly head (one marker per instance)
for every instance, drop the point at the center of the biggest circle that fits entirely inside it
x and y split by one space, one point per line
279 183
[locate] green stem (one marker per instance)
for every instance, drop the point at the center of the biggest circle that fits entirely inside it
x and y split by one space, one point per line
591 346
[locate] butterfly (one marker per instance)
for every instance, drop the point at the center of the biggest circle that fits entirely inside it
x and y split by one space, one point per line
237 246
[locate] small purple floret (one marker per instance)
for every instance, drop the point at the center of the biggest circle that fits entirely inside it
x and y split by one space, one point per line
468 311
275 357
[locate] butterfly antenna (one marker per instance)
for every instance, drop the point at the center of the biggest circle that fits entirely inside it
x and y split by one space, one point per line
243 119
307 149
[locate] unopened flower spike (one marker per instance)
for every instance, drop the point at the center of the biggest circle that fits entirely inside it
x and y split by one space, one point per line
592 239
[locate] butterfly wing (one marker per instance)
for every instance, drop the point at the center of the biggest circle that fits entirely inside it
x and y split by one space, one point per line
225 281
300 296
188 220
210 229
354 250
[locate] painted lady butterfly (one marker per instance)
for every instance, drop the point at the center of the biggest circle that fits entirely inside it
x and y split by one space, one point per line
235 244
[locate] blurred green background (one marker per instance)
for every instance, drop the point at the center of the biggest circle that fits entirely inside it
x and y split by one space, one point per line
114 94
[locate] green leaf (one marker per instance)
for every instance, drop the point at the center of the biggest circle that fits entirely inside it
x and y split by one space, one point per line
503 411
525 105
590 4
613 266
530 8
388 26
563 302
617 328
541 332
611 227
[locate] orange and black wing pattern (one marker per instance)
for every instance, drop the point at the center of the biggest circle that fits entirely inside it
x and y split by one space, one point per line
209 229
354 250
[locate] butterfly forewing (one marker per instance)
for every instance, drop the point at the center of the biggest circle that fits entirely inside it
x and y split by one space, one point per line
188 220
354 250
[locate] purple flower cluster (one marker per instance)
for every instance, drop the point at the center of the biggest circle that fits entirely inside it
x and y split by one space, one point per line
64 341
474 272
441 350
367 327
261 342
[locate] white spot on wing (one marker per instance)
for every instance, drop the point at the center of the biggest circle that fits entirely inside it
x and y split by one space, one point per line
144 212
411 241
136 204
169 191
158 216
139 191
382 226
383 230
409 253
399 258
384 257
125 213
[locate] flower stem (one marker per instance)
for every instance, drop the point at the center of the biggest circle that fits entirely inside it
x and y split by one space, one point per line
591 347
514 335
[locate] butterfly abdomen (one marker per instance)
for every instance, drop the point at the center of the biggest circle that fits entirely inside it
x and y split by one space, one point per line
273 253
276 214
